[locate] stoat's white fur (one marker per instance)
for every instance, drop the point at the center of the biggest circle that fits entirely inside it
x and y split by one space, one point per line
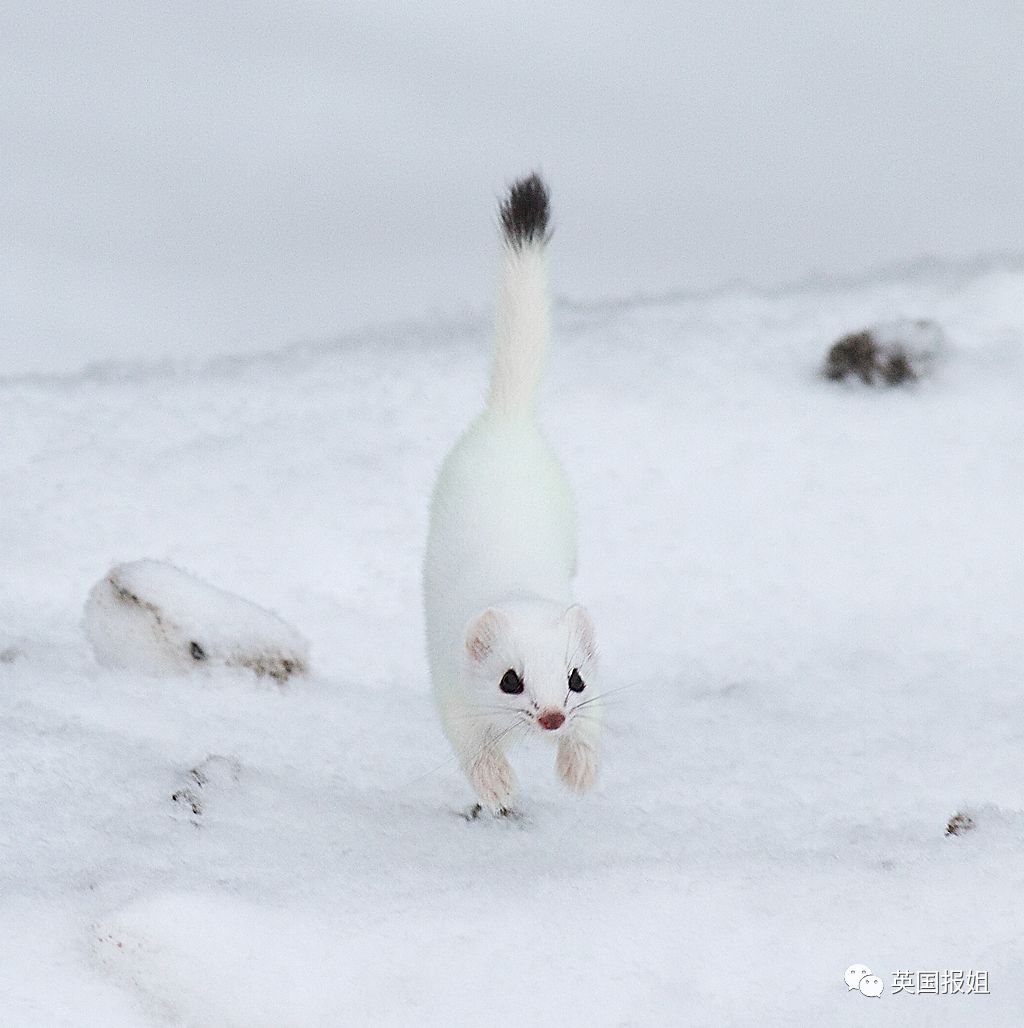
501 552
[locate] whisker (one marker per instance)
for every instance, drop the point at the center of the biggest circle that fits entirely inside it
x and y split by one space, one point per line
595 720
604 705
496 716
482 716
491 743
518 738
455 759
622 688
589 715
602 697
520 718
446 764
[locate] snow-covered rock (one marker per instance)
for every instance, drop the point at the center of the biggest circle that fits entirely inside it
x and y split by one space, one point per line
152 617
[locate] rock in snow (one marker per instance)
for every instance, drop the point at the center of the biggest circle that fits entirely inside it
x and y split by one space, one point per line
889 353
155 618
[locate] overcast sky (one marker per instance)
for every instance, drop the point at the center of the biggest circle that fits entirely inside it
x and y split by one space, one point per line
186 177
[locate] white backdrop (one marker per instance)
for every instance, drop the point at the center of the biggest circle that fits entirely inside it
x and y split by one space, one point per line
177 179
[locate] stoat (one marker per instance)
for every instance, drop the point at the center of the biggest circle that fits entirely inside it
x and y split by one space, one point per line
510 653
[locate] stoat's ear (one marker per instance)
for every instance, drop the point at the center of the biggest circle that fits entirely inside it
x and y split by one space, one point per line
484 632
581 630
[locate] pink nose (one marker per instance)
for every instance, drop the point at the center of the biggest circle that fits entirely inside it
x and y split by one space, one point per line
551 719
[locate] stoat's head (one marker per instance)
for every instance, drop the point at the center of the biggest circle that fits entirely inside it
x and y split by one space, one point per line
534 663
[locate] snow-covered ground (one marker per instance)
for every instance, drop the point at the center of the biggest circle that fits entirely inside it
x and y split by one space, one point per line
810 593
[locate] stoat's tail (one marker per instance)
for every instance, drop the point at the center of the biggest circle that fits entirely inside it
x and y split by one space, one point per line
523 316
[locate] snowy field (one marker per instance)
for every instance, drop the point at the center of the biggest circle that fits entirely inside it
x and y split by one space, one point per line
810 593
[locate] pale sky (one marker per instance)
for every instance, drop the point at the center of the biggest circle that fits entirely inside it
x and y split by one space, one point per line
208 177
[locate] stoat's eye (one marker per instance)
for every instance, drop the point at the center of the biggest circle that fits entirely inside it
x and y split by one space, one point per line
198 653
576 683
511 683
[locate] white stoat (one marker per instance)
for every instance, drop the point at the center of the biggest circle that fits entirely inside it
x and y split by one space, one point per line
510 653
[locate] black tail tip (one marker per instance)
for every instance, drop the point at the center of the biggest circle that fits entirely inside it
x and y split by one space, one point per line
525 212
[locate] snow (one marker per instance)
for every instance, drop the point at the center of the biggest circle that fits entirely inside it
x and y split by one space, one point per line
156 619
808 595
923 341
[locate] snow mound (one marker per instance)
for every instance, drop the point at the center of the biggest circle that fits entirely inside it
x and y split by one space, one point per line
154 618
920 338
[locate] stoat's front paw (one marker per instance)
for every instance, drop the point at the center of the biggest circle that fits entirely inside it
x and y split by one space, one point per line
576 763
492 777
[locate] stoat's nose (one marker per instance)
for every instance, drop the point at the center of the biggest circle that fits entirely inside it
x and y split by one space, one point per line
551 719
